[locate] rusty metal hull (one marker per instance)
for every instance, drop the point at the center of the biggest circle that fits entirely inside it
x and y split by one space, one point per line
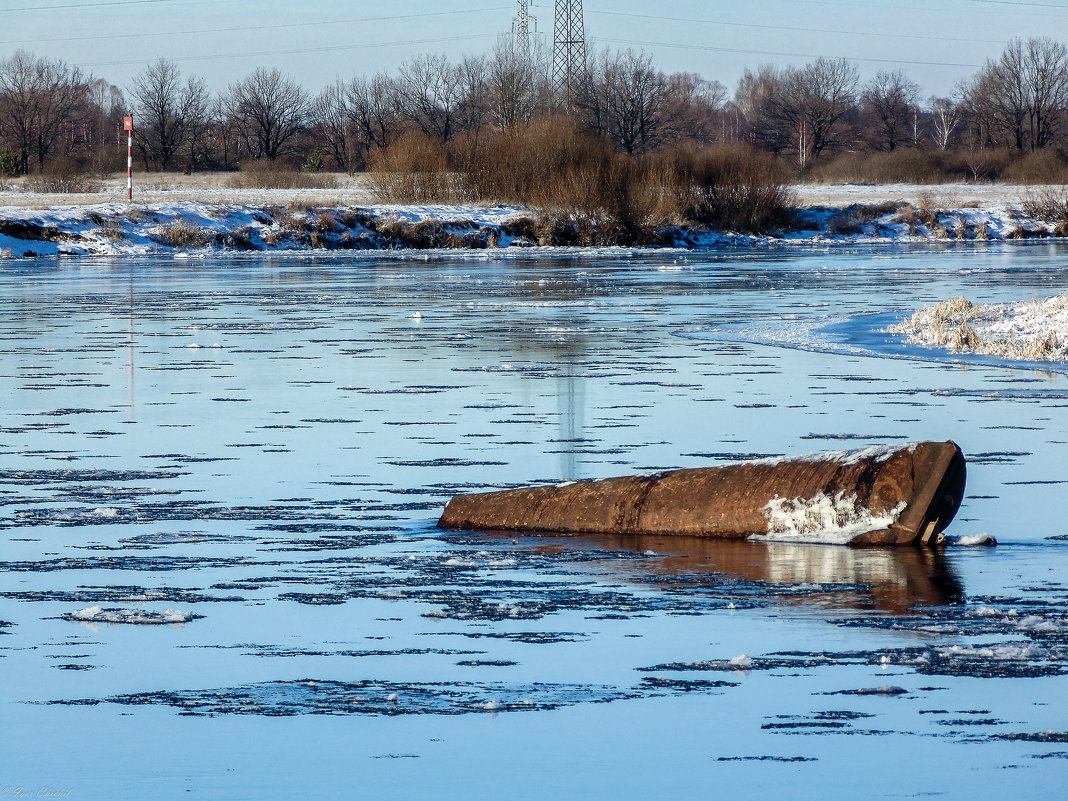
877 496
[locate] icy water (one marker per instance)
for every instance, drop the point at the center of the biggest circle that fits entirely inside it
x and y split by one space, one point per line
221 576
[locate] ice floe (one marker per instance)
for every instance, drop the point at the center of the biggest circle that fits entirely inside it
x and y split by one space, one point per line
142 617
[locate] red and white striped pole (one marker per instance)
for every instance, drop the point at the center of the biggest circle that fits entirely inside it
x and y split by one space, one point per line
127 124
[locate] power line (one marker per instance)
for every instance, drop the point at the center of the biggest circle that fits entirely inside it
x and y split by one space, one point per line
1013 3
217 29
87 5
793 28
786 55
925 9
301 50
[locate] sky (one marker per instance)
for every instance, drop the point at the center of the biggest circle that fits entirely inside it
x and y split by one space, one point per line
936 42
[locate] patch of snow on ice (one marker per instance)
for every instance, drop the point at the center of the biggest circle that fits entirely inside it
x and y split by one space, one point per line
142 617
1029 330
1008 652
971 540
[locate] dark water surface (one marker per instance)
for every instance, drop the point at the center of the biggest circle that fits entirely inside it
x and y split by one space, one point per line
221 577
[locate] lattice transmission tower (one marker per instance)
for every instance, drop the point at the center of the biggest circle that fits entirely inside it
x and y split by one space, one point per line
569 50
521 25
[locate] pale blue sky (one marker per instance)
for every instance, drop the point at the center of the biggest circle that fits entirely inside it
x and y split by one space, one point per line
937 42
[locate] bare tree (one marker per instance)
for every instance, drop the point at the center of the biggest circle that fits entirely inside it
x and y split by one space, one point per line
268 110
168 110
755 100
816 100
41 100
428 92
625 98
888 99
332 119
104 124
474 90
512 85
1021 99
806 108
945 116
697 108
374 115
1046 81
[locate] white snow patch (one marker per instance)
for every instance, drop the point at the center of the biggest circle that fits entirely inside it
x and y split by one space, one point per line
880 453
971 540
822 519
1027 330
1007 652
98 614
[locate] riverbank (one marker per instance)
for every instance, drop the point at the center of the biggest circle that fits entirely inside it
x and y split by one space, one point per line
183 217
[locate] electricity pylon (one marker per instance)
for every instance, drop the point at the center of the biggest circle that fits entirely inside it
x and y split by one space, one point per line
521 27
569 50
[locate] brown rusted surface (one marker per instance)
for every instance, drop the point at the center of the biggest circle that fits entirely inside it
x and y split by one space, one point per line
904 494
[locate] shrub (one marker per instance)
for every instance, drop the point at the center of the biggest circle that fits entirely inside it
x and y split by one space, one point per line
904 165
590 193
9 163
414 169
918 166
182 233
730 186
1046 166
844 223
62 179
1049 204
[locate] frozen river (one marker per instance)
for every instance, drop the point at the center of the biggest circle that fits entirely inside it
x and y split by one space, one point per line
221 577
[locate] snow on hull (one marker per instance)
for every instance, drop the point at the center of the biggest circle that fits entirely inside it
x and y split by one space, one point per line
822 519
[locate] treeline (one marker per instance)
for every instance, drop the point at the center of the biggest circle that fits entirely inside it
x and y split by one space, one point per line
438 116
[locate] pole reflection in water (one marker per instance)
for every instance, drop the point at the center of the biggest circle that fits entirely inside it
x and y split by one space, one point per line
889 579
130 349
570 406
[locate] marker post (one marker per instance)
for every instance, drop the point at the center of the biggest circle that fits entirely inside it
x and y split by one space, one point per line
127 124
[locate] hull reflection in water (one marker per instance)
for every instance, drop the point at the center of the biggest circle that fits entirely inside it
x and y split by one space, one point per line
875 496
892 580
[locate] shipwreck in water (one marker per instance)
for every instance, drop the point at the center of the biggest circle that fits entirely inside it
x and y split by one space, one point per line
874 496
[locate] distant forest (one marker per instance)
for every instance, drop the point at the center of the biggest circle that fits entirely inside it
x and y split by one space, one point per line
1008 121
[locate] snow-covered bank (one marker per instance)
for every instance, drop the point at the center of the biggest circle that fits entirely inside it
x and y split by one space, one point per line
178 227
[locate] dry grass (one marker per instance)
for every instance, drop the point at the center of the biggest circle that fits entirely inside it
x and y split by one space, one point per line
1048 205
61 182
182 234
265 174
917 166
1028 330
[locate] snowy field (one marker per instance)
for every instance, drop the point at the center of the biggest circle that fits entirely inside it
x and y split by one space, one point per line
354 190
